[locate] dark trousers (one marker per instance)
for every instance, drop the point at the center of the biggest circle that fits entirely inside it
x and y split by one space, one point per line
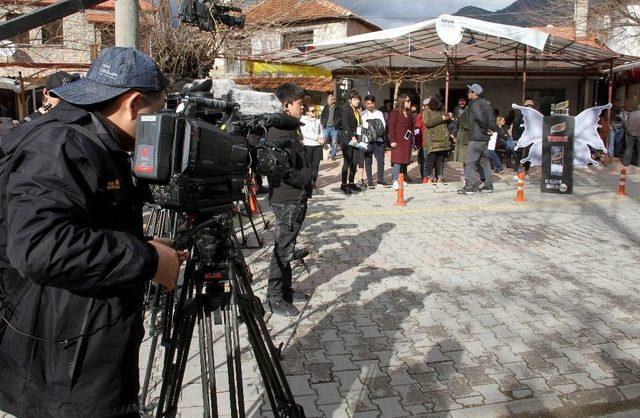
435 160
314 156
421 162
348 163
520 154
633 145
378 152
289 219
478 153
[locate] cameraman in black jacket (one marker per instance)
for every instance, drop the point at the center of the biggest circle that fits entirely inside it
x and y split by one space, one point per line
288 198
73 260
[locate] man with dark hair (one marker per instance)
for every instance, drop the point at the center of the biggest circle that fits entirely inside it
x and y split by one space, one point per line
482 124
350 125
73 259
374 133
55 80
288 198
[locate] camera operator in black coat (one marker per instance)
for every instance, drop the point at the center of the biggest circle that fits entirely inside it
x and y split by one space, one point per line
288 198
73 259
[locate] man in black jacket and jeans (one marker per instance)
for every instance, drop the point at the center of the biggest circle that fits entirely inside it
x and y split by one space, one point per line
288 198
481 125
73 260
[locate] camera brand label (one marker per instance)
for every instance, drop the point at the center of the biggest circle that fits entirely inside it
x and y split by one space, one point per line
148 118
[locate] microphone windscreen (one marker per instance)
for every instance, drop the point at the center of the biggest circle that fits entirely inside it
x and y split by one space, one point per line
254 102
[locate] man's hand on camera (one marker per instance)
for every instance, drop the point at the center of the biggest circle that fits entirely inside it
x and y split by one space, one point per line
183 255
168 265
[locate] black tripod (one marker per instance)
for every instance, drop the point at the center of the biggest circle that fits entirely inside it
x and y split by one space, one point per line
216 288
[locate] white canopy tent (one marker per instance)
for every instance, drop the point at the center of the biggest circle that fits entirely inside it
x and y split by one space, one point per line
462 45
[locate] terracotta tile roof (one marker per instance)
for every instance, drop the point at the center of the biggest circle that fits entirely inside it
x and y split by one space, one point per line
569 32
107 5
323 84
297 11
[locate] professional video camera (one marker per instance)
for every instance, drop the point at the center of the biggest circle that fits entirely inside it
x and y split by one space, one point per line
197 150
206 13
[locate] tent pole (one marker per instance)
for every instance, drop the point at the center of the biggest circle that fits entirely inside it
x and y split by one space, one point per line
23 98
610 88
524 75
446 88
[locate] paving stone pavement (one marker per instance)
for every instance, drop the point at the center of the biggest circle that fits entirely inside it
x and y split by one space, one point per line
457 306
461 306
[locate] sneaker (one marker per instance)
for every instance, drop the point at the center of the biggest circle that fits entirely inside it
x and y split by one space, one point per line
383 183
300 253
467 190
498 171
405 183
333 158
486 188
296 296
262 190
354 188
345 189
282 307
371 185
395 185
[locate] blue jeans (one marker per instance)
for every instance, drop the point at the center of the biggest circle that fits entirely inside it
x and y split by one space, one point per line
396 171
495 159
331 133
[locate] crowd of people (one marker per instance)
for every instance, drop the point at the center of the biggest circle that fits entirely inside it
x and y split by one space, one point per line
363 132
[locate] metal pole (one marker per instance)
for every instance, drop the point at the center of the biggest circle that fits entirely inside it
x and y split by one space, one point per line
524 75
446 90
610 88
127 23
23 98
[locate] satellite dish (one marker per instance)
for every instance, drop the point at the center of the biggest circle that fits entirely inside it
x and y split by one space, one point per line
7 48
449 30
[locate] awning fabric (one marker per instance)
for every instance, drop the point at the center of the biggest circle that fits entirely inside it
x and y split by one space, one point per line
265 68
484 45
321 84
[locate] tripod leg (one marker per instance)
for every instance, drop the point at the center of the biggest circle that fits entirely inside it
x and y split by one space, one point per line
212 365
204 364
155 332
244 238
174 370
253 226
234 371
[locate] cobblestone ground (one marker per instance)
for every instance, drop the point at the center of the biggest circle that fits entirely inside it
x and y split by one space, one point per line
458 306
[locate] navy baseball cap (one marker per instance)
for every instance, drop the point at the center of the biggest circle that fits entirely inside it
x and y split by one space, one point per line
114 72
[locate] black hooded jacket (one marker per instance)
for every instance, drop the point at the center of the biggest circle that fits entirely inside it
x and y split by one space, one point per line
72 240
295 186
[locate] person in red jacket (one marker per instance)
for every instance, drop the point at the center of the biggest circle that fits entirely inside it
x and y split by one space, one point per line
418 134
400 136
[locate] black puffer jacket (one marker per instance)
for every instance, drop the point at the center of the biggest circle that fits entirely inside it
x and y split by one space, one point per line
481 120
72 241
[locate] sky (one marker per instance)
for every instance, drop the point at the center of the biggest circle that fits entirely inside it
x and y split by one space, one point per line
392 13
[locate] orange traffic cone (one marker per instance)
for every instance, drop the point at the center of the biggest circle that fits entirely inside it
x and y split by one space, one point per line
623 183
520 192
253 200
400 201
425 180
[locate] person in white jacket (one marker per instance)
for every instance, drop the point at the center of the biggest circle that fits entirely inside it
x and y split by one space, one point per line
312 140
374 133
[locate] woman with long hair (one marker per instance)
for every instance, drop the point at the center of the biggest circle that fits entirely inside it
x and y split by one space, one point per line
400 136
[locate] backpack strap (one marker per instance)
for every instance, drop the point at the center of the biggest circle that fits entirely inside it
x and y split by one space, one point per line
88 134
